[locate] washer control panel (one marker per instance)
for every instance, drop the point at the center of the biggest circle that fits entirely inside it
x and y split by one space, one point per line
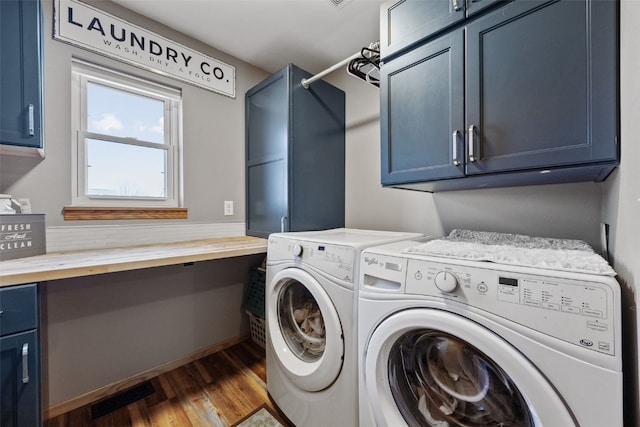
577 308
335 260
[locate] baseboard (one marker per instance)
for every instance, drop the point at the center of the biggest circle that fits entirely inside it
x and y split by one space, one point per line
110 389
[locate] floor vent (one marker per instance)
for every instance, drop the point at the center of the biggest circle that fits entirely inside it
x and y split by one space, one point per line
121 400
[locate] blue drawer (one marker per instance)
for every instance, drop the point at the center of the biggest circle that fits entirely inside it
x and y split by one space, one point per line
18 308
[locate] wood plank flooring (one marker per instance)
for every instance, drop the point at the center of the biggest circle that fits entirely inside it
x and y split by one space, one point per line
218 390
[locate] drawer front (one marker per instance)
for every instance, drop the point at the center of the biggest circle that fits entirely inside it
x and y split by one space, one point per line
18 308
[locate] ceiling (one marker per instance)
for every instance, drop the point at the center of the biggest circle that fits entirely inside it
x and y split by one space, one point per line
269 34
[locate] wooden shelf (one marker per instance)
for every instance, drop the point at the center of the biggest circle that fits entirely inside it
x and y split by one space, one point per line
62 265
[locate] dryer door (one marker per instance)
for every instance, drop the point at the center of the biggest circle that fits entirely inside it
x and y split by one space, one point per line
304 329
427 367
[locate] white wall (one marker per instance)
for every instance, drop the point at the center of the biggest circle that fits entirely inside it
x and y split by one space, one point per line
622 205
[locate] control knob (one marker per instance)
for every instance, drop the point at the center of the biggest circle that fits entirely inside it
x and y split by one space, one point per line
446 281
297 250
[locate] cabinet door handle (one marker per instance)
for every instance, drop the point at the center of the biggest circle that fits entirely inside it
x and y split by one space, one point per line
472 156
283 220
25 363
456 134
456 6
31 125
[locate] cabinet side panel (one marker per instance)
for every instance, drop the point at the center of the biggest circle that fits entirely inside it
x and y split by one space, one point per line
317 164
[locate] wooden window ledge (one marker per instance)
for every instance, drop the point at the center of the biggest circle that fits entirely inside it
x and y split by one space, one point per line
76 213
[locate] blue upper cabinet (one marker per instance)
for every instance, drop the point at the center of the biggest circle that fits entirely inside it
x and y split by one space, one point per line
406 22
21 73
538 97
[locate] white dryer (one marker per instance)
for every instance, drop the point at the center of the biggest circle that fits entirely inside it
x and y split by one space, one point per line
445 342
311 322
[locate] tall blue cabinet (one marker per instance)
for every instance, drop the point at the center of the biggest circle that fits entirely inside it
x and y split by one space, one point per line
19 357
21 73
295 155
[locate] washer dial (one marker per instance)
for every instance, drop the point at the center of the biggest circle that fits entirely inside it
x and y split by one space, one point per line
446 281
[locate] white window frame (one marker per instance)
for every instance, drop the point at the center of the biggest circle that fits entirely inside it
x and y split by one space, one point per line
83 72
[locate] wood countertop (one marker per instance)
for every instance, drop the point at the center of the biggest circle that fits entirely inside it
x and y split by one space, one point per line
63 265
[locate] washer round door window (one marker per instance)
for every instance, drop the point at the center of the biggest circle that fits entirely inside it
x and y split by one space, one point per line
304 329
442 380
426 367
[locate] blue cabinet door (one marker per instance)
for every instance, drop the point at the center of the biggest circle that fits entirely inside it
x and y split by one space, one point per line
20 73
19 357
405 23
267 139
20 373
422 112
541 86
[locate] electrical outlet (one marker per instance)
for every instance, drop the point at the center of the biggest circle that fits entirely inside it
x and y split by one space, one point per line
228 207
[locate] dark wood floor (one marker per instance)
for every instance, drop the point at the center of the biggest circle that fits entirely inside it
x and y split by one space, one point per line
218 390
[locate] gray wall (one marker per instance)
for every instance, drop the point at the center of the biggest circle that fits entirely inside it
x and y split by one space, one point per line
102 329
564 211
133 310
622 205
213 132
572 211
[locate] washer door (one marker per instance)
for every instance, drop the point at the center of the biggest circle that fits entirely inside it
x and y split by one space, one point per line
304 329
426 367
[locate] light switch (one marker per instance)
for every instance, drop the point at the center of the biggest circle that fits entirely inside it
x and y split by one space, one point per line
228 207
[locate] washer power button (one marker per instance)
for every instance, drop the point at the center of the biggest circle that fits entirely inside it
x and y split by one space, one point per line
482 287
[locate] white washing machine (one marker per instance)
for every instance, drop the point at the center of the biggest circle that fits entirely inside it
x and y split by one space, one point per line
445 342
311 329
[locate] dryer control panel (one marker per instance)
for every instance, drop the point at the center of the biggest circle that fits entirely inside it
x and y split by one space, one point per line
581 309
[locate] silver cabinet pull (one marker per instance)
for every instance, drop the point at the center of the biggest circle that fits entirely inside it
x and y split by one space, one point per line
456 6
456 134
31 125
472 155
25 363
283 220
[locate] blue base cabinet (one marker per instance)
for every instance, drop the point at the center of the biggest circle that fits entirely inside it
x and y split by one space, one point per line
523 94
21 73
295 154
19 357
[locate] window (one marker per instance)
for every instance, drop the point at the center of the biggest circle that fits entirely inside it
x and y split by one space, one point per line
126 140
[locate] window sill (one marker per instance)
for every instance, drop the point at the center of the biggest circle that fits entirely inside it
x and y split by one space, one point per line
78 213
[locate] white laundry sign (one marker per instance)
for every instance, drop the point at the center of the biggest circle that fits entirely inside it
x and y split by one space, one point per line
87 27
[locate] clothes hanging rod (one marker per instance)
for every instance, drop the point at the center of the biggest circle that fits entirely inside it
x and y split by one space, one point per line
307 82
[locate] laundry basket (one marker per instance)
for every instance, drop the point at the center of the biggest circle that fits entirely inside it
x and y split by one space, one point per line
256 329
254 305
